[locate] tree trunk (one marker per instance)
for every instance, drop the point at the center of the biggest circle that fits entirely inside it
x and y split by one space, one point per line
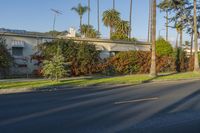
167 23
80 22
196 60
191 44
130 18
149 23
177 39
181 38
98 16
111 31
113 4
153 57
88 12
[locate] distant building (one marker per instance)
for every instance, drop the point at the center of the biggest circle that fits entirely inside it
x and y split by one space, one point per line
72 32
22 44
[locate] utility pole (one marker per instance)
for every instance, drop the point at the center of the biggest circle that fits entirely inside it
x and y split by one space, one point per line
56 13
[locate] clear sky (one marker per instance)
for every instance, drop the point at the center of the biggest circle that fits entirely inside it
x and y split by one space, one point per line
35 15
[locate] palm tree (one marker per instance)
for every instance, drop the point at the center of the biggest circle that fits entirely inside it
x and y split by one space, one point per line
122 27
80 10
153 72
130 18
110 19
196 61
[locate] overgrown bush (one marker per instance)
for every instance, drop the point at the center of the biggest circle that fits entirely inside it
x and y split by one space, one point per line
138 62
82 57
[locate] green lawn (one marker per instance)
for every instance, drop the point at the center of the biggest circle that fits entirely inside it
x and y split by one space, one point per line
131 79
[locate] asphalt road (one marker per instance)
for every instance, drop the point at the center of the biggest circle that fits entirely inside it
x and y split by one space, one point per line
172 107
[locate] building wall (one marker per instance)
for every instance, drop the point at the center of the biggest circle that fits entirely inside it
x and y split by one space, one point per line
23 64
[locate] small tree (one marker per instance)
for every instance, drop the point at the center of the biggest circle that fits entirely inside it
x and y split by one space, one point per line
5 57
54 68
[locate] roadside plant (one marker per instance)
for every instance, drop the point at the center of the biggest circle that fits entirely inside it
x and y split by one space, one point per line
54 68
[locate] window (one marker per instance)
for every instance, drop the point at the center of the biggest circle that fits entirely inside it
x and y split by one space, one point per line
17 51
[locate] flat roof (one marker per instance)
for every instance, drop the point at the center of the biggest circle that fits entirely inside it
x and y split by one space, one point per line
107 40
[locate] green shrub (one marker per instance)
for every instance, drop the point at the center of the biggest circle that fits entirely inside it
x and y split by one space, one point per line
163 47
54 68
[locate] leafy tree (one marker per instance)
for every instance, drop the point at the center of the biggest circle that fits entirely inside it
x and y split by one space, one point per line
5 57
163 47
179 9
54 68
110 19
80 10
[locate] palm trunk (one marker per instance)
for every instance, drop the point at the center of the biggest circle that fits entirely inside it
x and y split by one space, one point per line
196 60
98 16
149 23
111 31
191 44
113 4
167 25
177 39
81 22
181 38
88 12
130 18
153 57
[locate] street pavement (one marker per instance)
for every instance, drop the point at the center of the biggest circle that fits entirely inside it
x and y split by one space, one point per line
169 107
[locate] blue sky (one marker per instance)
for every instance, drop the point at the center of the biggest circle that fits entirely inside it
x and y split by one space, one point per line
35 15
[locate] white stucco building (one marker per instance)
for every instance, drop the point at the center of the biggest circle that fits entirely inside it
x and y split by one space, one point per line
22 44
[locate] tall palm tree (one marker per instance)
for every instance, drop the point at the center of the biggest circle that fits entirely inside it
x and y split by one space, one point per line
98 16
80 10
153 72
196 61
88 12
110 19
122 27
130 18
